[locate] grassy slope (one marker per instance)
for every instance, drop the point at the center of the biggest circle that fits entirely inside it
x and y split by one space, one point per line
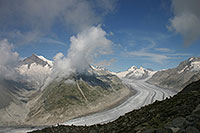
63 101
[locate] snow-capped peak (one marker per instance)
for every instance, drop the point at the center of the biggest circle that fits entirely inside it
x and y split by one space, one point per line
135 73
132 68
192 58
192 64
98 68
35 69
44 59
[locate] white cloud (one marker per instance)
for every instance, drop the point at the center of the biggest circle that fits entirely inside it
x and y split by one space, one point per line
179 54
186 20
158 58
163 50
84 47
157 55
8 61
153 56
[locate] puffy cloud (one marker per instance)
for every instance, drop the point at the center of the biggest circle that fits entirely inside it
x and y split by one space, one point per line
186 20
8 61
85 46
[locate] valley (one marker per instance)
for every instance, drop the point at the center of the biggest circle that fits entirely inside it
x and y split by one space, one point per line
145 94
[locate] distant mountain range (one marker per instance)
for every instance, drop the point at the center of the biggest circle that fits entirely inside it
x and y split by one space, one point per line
32 100
136 73
177 78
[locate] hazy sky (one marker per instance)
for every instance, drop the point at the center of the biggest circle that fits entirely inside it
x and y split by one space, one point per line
116 34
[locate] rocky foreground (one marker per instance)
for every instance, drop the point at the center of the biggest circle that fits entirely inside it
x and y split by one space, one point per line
180 114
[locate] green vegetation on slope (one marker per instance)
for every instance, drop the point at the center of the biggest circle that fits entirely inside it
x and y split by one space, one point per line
75 96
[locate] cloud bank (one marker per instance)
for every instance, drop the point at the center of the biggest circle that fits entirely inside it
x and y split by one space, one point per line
186 20
8 61
84 47
26 20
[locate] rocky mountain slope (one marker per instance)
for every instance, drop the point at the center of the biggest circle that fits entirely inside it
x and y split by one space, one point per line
15 94
13 99
135 73
28 102
180 114
76 95
177 78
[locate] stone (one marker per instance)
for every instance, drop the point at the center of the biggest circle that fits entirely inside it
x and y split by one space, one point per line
92 131
190 118
178 122
150 131
192 130
197 110
165 130
174 129
188 123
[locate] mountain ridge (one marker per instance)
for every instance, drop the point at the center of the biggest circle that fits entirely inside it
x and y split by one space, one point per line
88 90
76 95
85 92
135 73
185 73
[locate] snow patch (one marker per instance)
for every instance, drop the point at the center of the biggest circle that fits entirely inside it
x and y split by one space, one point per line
179 72
46 60
195 66
191 59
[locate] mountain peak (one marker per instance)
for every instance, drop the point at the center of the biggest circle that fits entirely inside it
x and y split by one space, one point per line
34 59
191 59
136 73
132 68
33 55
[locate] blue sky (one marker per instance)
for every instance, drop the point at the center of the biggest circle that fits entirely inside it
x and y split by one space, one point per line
145 33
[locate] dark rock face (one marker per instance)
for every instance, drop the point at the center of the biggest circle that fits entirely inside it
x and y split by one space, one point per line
178 114
179 77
